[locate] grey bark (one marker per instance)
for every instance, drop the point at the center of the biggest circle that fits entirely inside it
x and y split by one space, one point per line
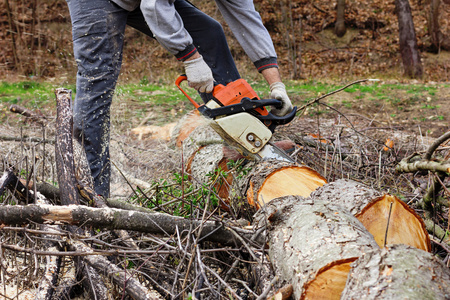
397 272
64 148
408 42
358 199
350 195
109 218
202 151
306 236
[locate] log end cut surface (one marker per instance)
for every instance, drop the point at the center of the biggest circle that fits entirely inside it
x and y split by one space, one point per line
331 279
294 180
405 226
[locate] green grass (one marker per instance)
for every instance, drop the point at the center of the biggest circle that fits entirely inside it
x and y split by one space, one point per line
37 95
29 93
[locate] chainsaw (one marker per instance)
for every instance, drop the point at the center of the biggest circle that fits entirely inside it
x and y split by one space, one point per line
240 117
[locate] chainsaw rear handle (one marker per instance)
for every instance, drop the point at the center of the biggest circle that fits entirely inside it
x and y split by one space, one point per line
179 80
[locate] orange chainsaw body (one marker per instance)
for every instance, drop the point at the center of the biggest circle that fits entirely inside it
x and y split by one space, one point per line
233 92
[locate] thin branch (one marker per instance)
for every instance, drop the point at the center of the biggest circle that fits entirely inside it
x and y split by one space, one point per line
436 144
301 109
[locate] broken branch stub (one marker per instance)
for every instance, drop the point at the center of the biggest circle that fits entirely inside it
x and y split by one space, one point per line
64 148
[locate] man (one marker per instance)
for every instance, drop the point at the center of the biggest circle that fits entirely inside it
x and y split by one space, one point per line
193 37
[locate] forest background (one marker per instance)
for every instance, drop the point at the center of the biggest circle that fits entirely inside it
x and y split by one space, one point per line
36 57
36 46
35 41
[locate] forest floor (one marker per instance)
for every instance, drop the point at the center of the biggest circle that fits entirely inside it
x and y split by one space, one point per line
358 120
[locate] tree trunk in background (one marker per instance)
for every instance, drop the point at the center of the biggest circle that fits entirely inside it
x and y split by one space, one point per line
434 29
439 41
339 28
408 42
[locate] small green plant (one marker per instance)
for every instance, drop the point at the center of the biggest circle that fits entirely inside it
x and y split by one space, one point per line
347 104
429 106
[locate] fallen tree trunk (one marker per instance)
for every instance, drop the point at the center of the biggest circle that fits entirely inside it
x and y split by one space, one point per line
396 272
110 218
312 241
311 245
267 180
387 218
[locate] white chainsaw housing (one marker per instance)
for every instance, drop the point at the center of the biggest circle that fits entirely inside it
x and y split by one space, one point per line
246 130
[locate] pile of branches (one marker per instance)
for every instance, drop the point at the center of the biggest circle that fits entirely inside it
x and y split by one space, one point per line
71 242
66 242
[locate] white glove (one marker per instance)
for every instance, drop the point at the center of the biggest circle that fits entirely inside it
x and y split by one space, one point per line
199 75
278 91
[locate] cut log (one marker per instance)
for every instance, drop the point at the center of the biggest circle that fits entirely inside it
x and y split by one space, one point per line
375 211
205 154
185 126
314 240
311 245
271 179
398 272
154 132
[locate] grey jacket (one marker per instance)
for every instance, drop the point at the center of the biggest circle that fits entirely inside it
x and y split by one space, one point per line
240 15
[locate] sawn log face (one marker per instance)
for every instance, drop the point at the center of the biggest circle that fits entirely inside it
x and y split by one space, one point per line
307 238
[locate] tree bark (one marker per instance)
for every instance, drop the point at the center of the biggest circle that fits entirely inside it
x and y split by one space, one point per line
397 272
64 148
339 27
185 126
311 245
109 218
387 218
408 43
439 40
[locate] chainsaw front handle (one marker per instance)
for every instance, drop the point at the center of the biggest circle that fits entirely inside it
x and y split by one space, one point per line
179 80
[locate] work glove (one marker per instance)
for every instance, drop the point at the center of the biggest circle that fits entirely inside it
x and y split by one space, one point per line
199 75
278 91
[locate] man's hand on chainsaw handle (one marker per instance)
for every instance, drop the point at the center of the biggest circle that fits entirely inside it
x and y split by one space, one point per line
198 74
278 91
